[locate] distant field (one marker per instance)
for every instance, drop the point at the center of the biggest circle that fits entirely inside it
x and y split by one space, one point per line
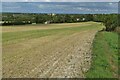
53 50
105 56
42 26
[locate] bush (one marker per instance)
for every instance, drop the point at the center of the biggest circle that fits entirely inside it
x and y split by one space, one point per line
110 22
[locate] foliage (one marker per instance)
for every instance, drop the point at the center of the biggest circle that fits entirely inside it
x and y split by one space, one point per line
13 18
109 20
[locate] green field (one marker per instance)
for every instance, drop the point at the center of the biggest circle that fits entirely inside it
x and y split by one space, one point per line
105 56
15 35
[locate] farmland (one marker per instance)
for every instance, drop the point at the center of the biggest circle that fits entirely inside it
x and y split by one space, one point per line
51 50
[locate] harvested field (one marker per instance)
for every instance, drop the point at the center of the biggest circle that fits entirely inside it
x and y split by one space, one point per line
56 51
42 26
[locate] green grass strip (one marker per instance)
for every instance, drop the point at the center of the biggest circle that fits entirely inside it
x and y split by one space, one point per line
105 56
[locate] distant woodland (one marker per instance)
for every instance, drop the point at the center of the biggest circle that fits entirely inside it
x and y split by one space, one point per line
109 20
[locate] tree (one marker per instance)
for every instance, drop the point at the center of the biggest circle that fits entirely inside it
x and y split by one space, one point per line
110 22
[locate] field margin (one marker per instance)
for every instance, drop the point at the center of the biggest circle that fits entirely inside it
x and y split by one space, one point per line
104 56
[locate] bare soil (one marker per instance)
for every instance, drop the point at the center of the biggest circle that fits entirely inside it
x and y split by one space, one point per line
51 56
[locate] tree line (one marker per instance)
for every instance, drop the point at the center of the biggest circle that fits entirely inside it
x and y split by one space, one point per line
109 20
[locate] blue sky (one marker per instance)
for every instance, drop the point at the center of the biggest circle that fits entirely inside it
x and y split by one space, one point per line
60 0
61 7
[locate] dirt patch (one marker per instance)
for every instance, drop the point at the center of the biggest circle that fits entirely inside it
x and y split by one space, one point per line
53 56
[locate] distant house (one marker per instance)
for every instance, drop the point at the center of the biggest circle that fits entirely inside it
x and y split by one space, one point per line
77 19
47 22
1 22
52 14
29 21
83 19
33 23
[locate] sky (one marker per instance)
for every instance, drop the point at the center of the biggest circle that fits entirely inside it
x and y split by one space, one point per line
61 7
60 0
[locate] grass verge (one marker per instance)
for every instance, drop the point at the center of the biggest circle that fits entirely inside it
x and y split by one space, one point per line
105 56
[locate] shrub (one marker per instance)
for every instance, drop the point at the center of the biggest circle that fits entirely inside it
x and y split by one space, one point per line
110 22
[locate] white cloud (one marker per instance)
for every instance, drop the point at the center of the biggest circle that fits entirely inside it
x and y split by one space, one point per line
60 0
110 3
48 0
